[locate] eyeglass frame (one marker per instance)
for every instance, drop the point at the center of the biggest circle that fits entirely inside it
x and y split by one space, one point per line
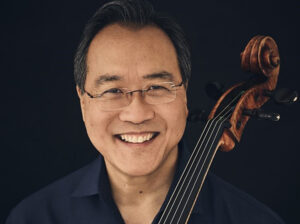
98 96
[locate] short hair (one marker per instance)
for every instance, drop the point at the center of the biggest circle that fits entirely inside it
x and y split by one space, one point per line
131 13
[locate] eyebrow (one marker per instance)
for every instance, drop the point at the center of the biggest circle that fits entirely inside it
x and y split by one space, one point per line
112 78
160 75
106 78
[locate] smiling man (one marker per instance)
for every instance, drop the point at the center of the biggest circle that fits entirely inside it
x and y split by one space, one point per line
134 108
132 67
137 132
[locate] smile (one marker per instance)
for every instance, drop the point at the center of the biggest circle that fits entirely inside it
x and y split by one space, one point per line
137 138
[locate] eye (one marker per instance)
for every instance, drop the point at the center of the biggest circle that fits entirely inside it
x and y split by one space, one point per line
157 87
158 90
113 91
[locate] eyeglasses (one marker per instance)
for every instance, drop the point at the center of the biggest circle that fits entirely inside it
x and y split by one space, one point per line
113 98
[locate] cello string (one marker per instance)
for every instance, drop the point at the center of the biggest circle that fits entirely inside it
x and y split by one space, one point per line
191 176
188 180
181 179
205 160
194 151
208 126
188 174
197 166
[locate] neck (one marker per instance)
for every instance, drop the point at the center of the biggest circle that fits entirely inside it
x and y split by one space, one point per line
142 195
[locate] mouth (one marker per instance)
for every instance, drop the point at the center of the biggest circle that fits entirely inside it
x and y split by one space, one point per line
137 138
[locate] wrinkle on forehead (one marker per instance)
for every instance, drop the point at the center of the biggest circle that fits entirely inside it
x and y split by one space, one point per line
132 53
117 32
110 78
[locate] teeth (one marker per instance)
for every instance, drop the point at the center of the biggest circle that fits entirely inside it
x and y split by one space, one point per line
137 139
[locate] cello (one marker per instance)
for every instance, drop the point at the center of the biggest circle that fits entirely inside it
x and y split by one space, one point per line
227 121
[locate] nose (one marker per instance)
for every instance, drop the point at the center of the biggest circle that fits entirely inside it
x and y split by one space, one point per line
138 111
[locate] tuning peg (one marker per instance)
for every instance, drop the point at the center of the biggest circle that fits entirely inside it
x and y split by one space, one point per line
197 115
283 96
214 90
260 114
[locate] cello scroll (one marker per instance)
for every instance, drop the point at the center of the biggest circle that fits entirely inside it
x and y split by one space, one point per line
261 57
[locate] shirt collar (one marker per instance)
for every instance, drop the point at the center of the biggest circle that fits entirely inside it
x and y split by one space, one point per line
89 183
94 179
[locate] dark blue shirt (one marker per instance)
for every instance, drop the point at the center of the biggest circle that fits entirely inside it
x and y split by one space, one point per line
84 197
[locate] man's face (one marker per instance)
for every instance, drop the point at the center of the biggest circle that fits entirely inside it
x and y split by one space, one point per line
133 57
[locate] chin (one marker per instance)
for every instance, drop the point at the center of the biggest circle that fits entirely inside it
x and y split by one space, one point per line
137 169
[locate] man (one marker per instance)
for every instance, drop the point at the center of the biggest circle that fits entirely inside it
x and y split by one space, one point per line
132 69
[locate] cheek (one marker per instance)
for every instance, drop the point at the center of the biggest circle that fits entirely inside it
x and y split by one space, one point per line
96 123
176 120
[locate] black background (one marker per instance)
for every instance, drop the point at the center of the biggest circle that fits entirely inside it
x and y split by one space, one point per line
43 137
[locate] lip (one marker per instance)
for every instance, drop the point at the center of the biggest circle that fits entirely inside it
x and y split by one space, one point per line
137 134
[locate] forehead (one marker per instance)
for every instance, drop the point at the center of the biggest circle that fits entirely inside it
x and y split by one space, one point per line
131 53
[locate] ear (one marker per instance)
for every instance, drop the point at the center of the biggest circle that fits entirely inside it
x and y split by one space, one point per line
82 102
186 110
186 105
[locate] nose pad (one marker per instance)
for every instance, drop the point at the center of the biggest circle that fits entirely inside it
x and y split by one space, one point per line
136 91
138 111
139 95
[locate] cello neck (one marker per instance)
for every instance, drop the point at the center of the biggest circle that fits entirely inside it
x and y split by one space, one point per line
186 192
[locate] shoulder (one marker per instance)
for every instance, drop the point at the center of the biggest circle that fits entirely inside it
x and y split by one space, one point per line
53 200
237 206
